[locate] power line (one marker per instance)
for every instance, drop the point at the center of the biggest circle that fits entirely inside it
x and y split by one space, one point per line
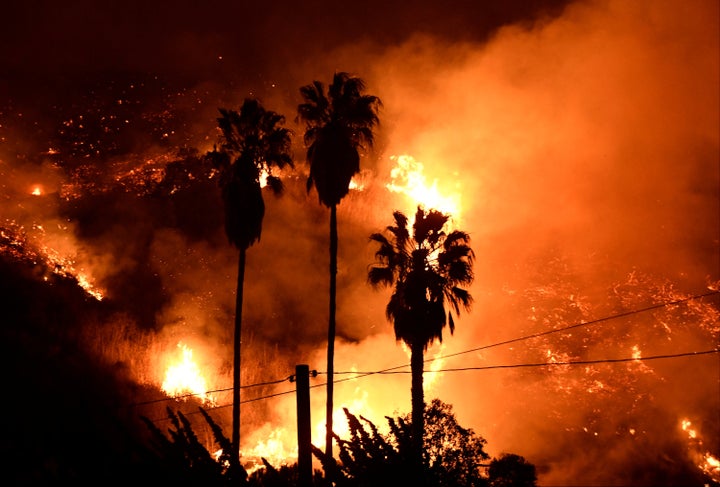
577 325
487 367
394 370
550 364
555 330
226 389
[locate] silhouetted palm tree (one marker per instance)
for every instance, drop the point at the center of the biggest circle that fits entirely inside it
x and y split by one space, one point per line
426 270
338 124
252 143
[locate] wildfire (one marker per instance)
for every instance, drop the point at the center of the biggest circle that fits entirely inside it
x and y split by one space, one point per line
686 427
707 462
183 378
357 186
30 246
279 448
408 178
435 366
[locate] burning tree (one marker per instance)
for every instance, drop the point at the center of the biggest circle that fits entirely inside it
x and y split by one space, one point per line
253 141
339 123
427 271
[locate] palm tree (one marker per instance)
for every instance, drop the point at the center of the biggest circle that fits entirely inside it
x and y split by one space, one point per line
427 271
338 124
252 143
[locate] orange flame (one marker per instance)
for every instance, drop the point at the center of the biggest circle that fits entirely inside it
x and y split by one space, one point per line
60 258
408 178
183 378
706 461
279 448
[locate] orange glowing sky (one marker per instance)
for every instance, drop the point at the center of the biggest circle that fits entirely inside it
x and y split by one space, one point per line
579 142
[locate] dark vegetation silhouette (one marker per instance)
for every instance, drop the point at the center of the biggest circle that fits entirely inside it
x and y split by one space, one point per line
511 470
186 458
252 142
65 414
427 270
455 456
339 122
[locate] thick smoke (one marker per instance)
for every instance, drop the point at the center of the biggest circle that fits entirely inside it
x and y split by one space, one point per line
583 148
585 152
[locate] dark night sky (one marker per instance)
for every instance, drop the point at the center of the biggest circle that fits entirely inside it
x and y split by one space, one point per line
186 38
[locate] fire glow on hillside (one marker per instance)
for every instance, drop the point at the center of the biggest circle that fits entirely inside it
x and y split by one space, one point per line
578 152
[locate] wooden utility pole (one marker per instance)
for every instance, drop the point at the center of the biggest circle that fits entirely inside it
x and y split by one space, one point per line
302 376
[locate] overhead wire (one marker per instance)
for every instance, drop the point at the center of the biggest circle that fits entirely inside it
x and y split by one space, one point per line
583 323
486 367
549 332
557 363
226 389
395 370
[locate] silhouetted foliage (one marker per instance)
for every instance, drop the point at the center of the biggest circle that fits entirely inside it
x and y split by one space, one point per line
339 122
66 416
453 456
252 143
511 470
188 461
283 476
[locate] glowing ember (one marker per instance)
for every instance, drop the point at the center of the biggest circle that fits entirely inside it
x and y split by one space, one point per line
711 467
706 461
183 378
36 190
686 426
355 185
29 245
85 282
407 178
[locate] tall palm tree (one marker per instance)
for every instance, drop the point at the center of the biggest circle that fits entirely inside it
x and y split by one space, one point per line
252 143
338 124
426 270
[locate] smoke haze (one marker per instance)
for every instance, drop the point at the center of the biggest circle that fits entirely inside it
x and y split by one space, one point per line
581 139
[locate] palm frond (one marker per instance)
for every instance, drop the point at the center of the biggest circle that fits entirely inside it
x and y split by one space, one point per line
275 184
423 282
314 112
379 276
428 226
252 139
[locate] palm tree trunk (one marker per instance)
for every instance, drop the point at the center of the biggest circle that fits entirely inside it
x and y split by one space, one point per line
236 356
417 354
331 330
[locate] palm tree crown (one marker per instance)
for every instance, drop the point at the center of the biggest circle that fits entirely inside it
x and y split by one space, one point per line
339 123
253 142
427 271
